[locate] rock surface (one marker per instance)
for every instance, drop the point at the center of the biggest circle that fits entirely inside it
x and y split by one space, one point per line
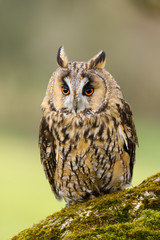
130 214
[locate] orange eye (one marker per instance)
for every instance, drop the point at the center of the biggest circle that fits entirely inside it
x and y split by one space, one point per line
88 91
65 90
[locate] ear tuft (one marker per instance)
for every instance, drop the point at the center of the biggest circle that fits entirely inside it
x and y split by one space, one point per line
98 61
62 60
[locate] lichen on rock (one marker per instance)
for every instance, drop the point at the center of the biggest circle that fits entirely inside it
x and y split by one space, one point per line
130 214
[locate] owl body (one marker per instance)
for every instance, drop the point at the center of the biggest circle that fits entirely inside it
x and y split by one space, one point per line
87 134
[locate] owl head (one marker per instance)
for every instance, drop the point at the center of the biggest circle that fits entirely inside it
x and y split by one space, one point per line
77 87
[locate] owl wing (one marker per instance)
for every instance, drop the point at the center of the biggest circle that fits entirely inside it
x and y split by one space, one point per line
128 129
47 153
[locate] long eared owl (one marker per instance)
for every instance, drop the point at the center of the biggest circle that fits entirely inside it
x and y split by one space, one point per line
87 135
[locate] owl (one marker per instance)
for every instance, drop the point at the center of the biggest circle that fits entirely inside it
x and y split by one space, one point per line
87 135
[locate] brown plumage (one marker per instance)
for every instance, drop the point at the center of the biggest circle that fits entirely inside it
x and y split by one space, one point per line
87 135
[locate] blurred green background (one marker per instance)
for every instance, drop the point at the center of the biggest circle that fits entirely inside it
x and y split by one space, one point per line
31 33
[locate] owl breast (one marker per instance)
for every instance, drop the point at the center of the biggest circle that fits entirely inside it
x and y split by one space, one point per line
90 160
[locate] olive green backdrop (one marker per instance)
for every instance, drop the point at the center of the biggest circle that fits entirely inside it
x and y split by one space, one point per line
30 35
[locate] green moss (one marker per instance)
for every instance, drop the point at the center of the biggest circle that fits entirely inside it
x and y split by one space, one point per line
129 214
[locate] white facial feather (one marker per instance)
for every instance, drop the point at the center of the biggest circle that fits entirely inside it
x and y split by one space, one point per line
76 101
82 101
68 99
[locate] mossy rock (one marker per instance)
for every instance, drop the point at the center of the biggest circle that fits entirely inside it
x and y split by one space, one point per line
130 214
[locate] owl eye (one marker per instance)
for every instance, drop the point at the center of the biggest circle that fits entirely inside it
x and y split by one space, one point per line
88 91
65 90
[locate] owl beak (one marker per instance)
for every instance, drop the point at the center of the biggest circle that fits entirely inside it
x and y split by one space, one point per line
75 105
